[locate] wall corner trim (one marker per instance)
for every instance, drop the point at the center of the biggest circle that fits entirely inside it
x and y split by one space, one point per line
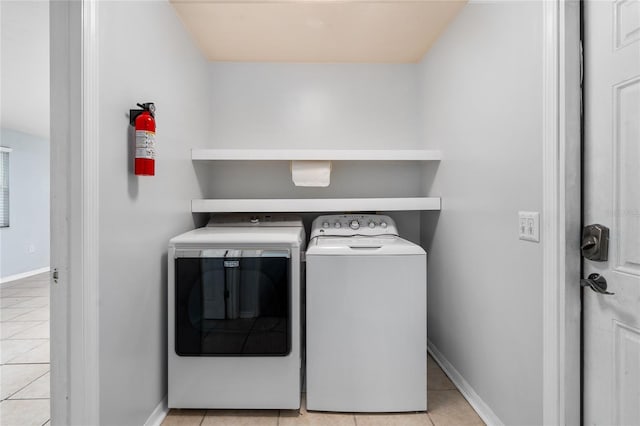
559 400
552 396
482 408
158 414
90 238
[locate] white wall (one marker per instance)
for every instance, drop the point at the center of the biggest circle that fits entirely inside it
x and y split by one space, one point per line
339 106
24 245
144 55
481 104
288 105
24 66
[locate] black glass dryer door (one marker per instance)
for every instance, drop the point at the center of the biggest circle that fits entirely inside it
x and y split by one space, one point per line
237 304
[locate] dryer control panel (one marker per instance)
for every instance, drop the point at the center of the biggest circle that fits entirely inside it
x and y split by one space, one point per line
347 225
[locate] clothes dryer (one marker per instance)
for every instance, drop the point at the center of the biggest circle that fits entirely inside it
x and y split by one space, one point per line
234 331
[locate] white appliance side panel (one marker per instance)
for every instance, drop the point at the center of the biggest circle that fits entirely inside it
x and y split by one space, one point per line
366 333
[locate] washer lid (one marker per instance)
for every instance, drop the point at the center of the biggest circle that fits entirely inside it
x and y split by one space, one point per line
362 246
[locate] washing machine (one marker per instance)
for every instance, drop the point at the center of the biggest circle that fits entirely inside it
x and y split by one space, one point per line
234 330
366 297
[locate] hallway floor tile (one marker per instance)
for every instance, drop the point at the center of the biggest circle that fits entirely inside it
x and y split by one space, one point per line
24 352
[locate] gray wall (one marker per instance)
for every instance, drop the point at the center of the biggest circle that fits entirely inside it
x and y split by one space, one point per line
321 106
144 55
24 245
481 104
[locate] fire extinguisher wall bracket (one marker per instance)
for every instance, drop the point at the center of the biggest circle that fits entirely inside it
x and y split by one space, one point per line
134 113
145 140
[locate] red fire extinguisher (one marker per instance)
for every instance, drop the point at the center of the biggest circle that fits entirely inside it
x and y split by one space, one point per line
145 124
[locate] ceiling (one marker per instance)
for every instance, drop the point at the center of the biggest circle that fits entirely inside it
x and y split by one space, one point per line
24 66
391 31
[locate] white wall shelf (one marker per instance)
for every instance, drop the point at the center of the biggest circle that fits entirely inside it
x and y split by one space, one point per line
314 205
317 154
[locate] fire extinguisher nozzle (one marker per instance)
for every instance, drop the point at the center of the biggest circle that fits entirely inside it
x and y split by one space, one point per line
148 106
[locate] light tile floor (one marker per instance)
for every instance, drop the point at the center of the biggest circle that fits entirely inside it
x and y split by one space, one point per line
447 407
24 352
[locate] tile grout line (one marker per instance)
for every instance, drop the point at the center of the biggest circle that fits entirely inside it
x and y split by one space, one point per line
15 296
18 332
40 304
25 363
27 313
29 399
8 362
16 318
35 338
45 373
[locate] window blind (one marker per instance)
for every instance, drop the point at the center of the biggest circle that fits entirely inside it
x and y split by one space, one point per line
4 188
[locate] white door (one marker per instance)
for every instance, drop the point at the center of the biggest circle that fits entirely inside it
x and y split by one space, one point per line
612 198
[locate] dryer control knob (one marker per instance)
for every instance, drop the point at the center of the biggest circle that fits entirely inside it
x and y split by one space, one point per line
372 224
325 225
354 224
383 224
337 225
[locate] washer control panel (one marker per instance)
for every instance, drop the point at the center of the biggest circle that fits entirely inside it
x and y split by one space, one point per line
347 225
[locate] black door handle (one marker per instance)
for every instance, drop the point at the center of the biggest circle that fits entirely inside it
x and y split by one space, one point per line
596 282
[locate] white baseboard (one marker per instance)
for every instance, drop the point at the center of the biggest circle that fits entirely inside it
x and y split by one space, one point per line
483 410
24 275
158 415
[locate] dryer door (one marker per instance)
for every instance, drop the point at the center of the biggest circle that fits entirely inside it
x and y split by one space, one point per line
233 302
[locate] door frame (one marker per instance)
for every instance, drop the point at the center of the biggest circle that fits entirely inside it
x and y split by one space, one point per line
75 212
561 221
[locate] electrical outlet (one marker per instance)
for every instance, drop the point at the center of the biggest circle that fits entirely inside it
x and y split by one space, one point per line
31 249
529 226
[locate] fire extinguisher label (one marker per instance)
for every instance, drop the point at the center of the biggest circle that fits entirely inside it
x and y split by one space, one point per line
145 144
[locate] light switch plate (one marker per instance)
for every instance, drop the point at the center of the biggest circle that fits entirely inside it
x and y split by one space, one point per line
529 226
